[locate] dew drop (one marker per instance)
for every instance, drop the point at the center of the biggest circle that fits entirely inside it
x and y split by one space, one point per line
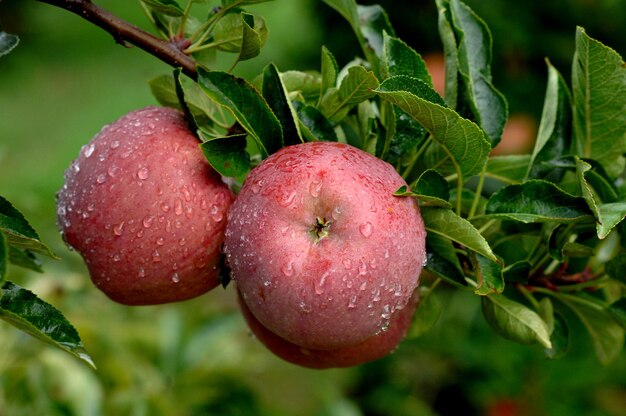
386 254
287 269
366 229
178 206
91 207
287 199
386 312
319 285
113 171
164 207
143 173
101 179
347 263
156 256
362 267
182 242
88 150
363 286
142 272
315 188
114 144
160 241
215 213
148 221
75 167
175 278
139 234
116 258
352 303
384 326
305 308
118 228
376 294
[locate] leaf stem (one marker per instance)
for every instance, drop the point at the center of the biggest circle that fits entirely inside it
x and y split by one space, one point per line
478 192
124 32
416 157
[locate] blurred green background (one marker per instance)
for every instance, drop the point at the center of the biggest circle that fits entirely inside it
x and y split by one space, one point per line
68 78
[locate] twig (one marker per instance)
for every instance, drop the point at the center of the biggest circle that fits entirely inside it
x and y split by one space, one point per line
123 33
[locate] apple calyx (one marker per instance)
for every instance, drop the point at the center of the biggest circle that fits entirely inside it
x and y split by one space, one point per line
320 229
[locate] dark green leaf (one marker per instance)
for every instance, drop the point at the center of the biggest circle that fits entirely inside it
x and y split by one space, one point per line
426 314
559 337
442 260
515 321
251 38
228 155
618 311
599 92
400 59
450 51
606 334
167 7
24 310
355 87
447 224
488 106
4 257
313 124
576 250
275 94
536 201
8 42
517 272
616 267
488 275
18 231
555 129
431 188
508 168
246 105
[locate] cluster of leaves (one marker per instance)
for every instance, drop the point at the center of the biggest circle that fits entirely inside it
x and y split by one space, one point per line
520 231
227 28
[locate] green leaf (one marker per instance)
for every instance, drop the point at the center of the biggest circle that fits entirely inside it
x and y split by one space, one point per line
4 257
508 168
559 337
447 224
24 310
167 7
163 88
599 92
607 215
313 124
24 258
430 188
488 275
555 128
241 33
329 71
356 87
514 321
8 42
400 59
275 94
442 260
487 105
246 105
462 140
616 267
618 311
251 39
18 231
427 313
606 334
517 272
306 84
228 155
450 51
536 201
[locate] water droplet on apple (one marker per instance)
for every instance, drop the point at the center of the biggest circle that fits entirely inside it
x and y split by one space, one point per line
118 228
347 263
315 188
287 269
178 206
113 171
117 258
175 278
101 179
142 272
319 284
363 286
148 221
156 256
182 242
386 312
305 308
362 267
88 150
114 144
366 229
287 199
376 294
143 173
160 241
352 303
164 207
215 213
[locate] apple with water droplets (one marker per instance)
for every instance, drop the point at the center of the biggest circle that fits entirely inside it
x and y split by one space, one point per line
323 254
373 348
145 210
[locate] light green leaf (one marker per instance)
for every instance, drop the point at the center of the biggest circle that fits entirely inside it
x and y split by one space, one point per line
246 105
463 140
329 71
356 87
514 321
599 92
251 39
25 259
24 310
18 231
4 256
607 335
167 7
427 312
447 224
308 84
442 260
163 88
554 135
508 168
450 51
536 201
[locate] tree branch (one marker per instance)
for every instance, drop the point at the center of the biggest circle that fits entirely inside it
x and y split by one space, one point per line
124 32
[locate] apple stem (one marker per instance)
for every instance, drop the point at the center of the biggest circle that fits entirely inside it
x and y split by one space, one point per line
320 228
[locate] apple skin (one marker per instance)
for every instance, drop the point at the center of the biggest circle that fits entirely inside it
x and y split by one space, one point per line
145 210
324 286
373 348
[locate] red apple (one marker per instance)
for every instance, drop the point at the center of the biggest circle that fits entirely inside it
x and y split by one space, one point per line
145 210
322 251
373 348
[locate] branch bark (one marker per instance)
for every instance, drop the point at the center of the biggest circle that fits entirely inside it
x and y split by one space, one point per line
124 32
